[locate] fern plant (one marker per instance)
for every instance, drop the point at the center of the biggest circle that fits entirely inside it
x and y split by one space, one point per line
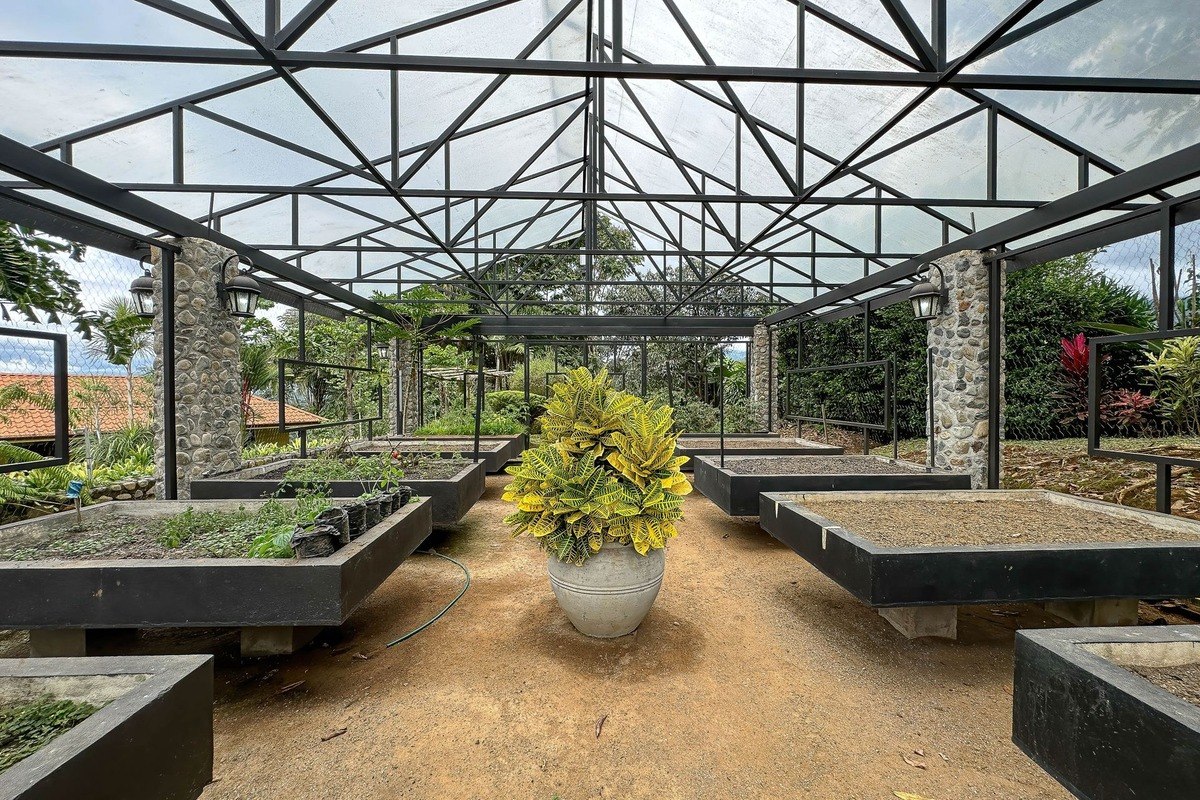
604 472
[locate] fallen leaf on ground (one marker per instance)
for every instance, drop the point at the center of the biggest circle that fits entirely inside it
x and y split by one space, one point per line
912 762
600 725
290 687
333 734
909 796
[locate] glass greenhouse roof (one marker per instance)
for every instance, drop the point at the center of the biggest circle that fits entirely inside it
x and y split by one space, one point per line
793 146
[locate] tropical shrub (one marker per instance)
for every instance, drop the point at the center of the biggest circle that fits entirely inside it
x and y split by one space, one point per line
461 422
605 471
1174 371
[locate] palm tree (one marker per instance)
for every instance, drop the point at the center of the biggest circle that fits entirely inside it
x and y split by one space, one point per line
120 336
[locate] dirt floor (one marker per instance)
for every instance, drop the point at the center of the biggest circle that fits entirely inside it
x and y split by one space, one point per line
753 677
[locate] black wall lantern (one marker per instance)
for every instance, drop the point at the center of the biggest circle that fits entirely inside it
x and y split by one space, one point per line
928 300
142 292
241 292
382 348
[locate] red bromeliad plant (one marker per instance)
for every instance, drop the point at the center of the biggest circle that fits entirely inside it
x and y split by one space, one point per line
1124 408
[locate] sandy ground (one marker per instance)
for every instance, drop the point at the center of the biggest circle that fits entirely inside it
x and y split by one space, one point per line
753 676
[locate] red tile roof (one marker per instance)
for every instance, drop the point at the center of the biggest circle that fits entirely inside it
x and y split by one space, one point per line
104 399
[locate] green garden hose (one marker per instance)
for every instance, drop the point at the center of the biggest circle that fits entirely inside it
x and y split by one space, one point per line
441 613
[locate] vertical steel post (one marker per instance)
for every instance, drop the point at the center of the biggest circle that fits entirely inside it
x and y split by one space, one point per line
301 352
371 365
170 487
995 369
528 410
721 398
478 393
1166 321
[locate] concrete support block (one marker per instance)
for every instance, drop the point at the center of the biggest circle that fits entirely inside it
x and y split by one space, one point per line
57 642
1106 612
277 640
918 621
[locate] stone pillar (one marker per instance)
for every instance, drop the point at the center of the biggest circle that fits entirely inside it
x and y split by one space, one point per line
208 372
960 343
760 369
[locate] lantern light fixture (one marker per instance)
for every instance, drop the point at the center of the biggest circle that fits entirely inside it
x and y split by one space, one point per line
142 292
241 292
928 300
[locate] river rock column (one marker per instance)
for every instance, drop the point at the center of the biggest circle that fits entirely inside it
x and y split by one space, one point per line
208 373
392 370
760 369
960 343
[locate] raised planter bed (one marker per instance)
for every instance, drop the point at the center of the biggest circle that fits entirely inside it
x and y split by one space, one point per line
495 451
150 739
755 435
736 486
452 496
917 555
695 446
277 603
1084 712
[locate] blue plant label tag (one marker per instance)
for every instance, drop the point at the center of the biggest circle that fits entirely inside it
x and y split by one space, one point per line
74 489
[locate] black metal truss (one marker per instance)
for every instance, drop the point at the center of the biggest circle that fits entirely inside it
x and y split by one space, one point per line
476 257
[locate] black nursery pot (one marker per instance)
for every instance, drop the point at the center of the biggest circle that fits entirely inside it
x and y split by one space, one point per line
318 541
374 513
403 495
356 518
338 519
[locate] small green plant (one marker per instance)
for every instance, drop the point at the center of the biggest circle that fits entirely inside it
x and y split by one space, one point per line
27 727
1174 371
384 470
461 422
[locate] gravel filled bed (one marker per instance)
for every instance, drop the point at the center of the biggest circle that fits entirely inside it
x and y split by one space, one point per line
744 444
820 465
426 447
429 469
1183 682
918 521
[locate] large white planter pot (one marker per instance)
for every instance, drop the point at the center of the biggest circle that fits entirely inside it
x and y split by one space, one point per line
611 593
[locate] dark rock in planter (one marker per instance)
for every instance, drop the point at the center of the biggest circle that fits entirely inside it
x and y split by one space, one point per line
316 542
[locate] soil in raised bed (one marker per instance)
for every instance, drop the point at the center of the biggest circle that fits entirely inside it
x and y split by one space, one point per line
734 443
27 727
1182 681
197 533
427 469
820 465
426 447
916 521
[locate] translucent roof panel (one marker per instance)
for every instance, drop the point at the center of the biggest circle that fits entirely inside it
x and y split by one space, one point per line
374 142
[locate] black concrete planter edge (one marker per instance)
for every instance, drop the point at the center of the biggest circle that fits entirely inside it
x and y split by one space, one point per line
333 585
1066 651
155 740
862 567
737 494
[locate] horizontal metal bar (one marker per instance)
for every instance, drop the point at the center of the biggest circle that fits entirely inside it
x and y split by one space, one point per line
584 69
566 325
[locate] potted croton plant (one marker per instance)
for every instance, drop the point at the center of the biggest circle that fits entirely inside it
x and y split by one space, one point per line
601 493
